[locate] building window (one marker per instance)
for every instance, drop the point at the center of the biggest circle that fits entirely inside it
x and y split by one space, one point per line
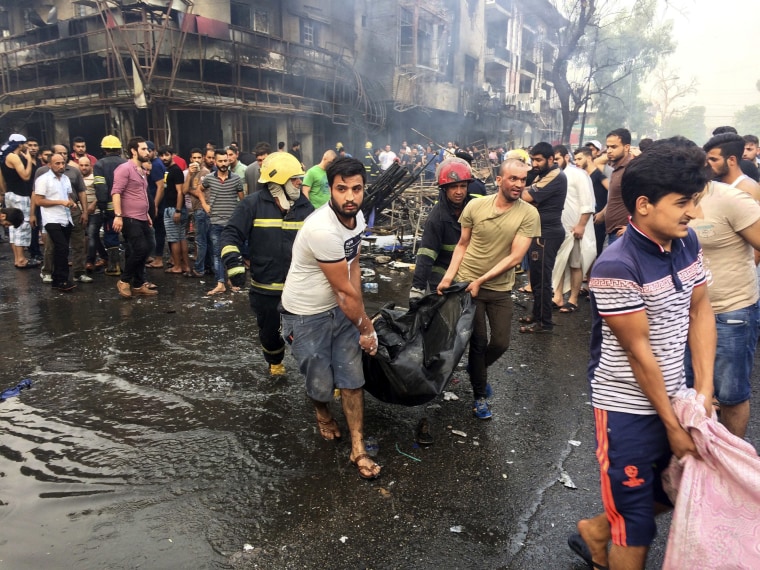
308 33
248 17
406 38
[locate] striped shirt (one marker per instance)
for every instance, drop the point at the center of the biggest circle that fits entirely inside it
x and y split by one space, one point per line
222 196
637 274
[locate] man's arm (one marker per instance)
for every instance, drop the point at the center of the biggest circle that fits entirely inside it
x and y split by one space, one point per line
632 332
159 194
580 227
348 294
456 260
13 161
526 196
305 190
520 247
702 341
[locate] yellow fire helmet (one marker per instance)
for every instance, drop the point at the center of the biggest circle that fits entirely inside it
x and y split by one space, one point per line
519 154
111 142
279 167
368 145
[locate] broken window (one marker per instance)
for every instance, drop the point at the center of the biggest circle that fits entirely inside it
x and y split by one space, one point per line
249 17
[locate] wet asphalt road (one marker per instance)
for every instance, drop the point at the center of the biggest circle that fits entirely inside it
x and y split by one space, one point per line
153 438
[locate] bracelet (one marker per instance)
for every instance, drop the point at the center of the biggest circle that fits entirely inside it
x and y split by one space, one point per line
117 215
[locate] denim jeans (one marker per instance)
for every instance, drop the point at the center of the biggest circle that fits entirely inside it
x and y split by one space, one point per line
734 355
326 347
204 256
94 243
216 241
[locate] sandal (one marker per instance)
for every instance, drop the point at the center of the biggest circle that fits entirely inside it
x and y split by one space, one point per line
366 471
329 429
536 328
579 546
568 308
529 320
525 290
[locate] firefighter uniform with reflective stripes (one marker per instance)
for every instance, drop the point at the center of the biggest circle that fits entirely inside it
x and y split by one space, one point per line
439 238
270 233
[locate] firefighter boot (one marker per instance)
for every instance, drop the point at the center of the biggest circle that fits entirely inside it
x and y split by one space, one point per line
113 267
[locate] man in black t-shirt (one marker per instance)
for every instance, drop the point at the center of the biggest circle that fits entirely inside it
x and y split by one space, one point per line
547 193
172 198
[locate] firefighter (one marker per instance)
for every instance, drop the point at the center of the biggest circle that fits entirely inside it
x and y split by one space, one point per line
102 170
442 229
370 164
268 220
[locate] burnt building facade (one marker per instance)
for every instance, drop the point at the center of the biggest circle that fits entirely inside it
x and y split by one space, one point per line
185 73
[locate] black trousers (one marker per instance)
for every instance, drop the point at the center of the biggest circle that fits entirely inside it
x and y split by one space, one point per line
268 320
139 243
542 254
60 236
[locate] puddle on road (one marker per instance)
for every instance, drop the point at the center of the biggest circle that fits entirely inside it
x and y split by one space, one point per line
149 438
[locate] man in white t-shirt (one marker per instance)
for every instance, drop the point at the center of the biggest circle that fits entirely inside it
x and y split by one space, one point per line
386 157
323 312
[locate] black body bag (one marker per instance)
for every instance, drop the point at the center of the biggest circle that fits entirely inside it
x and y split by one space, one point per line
418 350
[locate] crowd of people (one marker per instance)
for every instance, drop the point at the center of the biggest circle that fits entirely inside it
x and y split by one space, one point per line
665 236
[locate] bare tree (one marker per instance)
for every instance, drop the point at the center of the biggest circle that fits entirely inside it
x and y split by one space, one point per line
669 92
603 44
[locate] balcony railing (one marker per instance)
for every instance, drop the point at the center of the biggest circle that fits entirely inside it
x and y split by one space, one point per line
500 53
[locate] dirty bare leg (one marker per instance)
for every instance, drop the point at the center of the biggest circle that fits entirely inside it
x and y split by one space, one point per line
353 408
596 533
735 418
327 428
628 557
576 280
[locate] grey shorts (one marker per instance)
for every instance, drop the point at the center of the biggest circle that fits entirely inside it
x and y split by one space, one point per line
326 347
22 235
175 232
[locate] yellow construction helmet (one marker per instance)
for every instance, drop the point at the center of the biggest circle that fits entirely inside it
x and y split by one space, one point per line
279 167
368 145
110 141
519 154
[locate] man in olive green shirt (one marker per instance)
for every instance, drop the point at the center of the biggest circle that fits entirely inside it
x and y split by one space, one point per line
496 234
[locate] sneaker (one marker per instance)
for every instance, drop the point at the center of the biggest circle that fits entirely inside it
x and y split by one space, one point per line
84 279
65 286
46 277
481 409
144 289
277 369
124 288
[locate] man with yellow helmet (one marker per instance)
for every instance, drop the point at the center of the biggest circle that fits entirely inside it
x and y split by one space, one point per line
103 171
268 220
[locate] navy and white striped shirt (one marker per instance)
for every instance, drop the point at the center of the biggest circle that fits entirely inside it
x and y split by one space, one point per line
637 274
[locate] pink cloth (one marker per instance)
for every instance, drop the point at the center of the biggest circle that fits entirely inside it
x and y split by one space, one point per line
716 521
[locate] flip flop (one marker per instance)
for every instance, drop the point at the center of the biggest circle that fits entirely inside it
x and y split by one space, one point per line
579 546
535 328
568 308
528 320
525 290
365 469
328 430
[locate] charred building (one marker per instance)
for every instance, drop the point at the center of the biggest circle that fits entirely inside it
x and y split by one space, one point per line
184 73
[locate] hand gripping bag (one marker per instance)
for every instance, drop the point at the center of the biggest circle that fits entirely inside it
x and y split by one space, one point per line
419 349
716 520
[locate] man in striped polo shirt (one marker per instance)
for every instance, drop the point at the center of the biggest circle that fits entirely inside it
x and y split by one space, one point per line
225 190
649 298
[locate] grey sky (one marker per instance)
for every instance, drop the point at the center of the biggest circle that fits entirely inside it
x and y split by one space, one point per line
717 44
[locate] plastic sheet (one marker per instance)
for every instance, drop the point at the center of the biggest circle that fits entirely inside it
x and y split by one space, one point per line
418 350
